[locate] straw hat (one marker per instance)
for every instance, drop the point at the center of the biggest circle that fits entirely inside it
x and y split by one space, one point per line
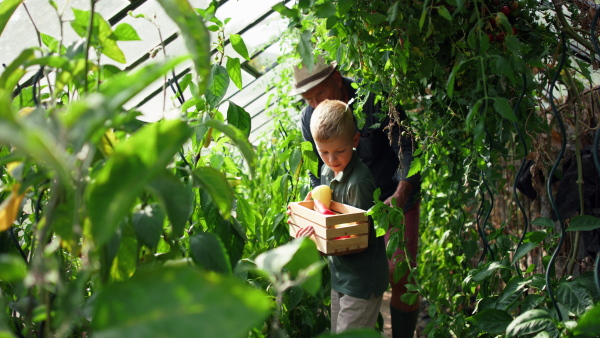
305 80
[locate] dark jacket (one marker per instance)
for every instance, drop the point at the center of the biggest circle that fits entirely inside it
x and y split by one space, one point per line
374 148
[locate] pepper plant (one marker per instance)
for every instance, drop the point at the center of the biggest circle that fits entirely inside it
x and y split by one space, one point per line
479 81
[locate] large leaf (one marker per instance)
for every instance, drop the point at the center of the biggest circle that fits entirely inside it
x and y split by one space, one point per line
178 302
102 35
300 257
235 72
238 117
310 158
588 324
215 182
217 85
513 290
492 321
584 223
12 268
239 46
523 250
208 251
148 224
239 139
503 108
529 322
12 73
195 35
33 139
124 32
135 162
487 271
7 8
88 117
175 198
305 49
574 297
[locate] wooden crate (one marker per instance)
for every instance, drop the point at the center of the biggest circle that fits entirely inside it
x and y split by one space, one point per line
349 221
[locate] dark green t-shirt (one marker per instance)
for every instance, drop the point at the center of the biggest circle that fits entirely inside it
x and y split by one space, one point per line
359 274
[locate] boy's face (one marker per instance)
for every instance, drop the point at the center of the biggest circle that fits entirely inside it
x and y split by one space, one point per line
337 152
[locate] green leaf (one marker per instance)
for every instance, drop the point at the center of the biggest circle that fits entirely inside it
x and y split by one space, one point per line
208 251
375 19
451 79
115 186
52 44
487 271
101 34
305 49
535 236
215 183
423 14
325 10
472 112
195 36
544 222
235 72
238 117
415 167
239 139
148 224
178 301
513 290
523 250
13 73
444 13
32 136
285 11
124 32
343 6
310 158
12 268
299 257
492 321
502 106
529 322
89 117
584 223
393 12
574 297
126 257
7 8
239 46
217 85
588 324
175 198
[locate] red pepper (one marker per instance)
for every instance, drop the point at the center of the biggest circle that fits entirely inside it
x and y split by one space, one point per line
322 209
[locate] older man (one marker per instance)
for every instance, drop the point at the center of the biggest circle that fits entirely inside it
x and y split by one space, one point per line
325 82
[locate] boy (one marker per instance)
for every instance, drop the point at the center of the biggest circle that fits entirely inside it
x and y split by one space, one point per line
358 280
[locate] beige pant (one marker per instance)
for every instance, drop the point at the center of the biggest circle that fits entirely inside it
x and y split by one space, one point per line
352 313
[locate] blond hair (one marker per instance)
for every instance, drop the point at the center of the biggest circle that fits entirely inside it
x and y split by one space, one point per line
332 119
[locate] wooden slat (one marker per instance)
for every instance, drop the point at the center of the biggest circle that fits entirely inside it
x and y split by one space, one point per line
346 209
336 246
305 209
331 232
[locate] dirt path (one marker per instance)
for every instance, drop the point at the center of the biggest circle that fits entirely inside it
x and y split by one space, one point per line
387 322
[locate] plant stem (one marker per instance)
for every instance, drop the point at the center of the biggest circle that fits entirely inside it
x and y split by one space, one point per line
88 43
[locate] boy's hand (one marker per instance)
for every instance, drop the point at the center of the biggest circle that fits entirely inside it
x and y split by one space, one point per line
305 232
